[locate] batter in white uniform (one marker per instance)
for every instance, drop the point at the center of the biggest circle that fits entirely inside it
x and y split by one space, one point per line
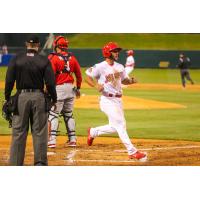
109 76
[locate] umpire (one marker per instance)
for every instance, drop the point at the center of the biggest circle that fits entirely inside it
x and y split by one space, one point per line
30 71
184 64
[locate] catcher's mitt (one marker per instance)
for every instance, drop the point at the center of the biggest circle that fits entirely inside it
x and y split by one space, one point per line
7 113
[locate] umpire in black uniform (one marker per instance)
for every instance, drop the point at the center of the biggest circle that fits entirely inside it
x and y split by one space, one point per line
184 64
30 71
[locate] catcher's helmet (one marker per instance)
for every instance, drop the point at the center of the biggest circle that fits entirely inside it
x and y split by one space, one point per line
130 52
111 46
60 42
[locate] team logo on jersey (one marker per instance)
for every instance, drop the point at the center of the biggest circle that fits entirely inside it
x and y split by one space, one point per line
113 78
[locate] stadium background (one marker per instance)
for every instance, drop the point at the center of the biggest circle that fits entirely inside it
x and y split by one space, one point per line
152 50
161 84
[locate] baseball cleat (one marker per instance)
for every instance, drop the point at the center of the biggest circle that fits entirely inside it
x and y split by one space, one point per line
89 139
51 145
52 142
71 143
139 156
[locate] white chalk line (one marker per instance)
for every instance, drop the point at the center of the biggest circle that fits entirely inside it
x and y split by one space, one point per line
162 148
107 161
70 156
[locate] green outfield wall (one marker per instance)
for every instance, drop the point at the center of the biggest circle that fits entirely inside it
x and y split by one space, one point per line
143 58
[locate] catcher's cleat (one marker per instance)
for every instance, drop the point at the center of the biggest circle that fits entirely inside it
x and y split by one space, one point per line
51 145
138 155
71 143
52 142
89 139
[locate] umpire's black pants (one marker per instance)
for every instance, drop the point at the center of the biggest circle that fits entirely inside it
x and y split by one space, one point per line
31 107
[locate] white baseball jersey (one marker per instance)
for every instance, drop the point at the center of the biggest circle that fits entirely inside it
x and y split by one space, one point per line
108 76
130 61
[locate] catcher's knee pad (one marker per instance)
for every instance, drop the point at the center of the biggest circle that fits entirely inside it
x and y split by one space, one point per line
53 123
70 123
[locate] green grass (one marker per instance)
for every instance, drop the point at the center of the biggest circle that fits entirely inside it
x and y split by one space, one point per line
2 73
179 124
137 41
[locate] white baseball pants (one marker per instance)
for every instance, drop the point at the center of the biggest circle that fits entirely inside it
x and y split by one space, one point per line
113 108
128 70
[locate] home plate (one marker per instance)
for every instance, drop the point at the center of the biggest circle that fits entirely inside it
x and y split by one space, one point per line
50 153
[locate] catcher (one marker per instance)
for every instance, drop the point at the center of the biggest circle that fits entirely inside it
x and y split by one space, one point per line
64 66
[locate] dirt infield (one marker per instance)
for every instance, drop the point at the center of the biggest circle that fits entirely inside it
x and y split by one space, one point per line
108 151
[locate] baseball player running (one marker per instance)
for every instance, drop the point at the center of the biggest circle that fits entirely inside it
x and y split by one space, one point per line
130 62
110 75
64 65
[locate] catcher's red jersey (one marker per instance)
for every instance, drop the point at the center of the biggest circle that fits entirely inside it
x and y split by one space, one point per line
59 65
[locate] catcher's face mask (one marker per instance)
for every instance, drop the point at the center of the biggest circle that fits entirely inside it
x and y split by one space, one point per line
61 42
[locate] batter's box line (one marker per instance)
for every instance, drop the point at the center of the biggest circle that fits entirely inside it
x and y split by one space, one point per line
106 161
162 148
146 149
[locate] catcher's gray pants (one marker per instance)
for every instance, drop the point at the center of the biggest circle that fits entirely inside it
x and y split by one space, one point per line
185 74
31 107
65 107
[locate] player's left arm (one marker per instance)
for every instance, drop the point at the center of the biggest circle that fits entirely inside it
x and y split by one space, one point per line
126 80
78 74
129 81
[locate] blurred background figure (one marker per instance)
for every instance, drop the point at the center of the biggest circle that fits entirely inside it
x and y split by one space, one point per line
0 56
4 49
184 64
130 62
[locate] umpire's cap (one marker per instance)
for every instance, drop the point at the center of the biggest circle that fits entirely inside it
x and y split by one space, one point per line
33 39
181 55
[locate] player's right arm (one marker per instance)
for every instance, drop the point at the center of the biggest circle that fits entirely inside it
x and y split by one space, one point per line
91 74
180 63
93 83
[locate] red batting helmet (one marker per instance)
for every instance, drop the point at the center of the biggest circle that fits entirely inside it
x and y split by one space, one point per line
60 42
130 52
111 46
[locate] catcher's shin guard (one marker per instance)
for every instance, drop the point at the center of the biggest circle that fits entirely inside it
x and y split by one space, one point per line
53 124
70 125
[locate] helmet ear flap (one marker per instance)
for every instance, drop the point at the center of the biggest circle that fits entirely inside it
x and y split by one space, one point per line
106 52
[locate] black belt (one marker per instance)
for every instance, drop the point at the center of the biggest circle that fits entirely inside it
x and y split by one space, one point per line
111 95
30 90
